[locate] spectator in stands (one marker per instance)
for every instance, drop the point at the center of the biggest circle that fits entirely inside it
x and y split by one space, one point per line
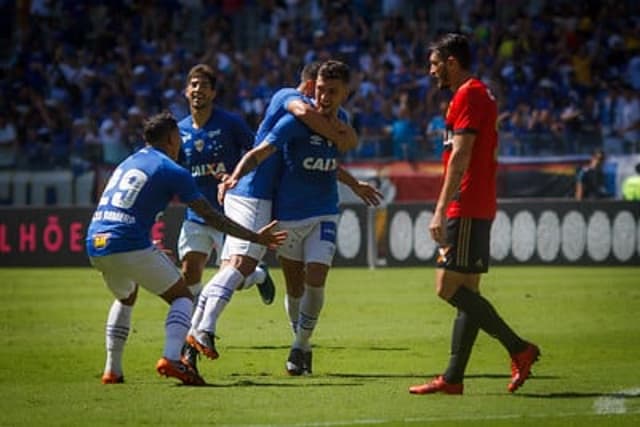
173 99
8 141
436 130
370 123
590 182
571 118
633 68
35 152
607 100
582 63
404 134
627 122
79 156
135 49
133 128
520 125
91 140
60 129
114 148
590 133
542 115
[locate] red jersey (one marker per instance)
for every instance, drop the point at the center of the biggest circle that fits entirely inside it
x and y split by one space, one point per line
473 109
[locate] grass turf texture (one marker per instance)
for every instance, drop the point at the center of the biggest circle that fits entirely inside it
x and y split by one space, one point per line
380 332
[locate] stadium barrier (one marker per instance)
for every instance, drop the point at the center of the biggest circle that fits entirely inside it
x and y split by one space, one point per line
543 232
40 188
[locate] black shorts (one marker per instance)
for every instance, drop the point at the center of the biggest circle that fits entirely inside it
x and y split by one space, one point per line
468 246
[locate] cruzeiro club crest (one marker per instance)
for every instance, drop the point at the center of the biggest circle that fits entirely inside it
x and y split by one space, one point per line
199 144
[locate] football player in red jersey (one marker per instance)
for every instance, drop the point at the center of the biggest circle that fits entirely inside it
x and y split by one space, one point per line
461 223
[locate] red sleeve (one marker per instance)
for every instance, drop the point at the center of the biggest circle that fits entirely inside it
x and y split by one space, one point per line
466 111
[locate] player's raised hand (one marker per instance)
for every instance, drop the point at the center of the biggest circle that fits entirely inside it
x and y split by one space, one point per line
270 238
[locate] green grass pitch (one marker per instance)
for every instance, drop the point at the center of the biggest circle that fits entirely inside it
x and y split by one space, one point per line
380 332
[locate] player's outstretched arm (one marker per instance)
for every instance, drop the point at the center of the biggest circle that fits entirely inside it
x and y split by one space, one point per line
266 236
367 192
341 134
247 163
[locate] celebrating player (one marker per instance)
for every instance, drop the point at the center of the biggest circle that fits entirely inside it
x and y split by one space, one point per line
119 246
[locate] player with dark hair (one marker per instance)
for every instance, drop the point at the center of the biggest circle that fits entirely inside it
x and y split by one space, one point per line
309 166
213 140
250 203
461 223
119 246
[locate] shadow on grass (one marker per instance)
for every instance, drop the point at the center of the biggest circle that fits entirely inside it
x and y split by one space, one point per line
258 347
498 376
367 375
284 383
426 376
318 347
314 381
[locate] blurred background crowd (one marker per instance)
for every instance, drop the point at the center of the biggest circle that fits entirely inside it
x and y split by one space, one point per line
78 78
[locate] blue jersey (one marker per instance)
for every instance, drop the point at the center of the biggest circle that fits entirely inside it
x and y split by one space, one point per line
215 148
261 182
139 189
307 185
344 116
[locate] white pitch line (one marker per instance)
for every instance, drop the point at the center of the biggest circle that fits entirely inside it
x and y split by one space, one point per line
615 403
609 405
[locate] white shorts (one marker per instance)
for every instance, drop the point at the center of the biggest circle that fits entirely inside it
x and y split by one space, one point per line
201 238
310 240
252 214
149 268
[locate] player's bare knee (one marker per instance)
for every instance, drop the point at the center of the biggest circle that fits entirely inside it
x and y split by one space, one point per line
131 299
177 290
442 292
193 265
192 273
244 264
445 288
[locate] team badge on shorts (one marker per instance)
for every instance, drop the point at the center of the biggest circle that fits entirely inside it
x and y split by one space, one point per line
444 256
100 240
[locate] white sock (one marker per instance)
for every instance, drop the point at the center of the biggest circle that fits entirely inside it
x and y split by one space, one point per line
116 334
292 307
218 293
176 327
195 290
257 276
310 307
198 310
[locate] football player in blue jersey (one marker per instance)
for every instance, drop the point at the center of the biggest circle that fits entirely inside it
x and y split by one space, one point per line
213 140
309 168
250 204
118 244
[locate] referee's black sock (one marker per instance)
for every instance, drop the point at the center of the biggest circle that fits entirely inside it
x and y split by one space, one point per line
481 310
465 331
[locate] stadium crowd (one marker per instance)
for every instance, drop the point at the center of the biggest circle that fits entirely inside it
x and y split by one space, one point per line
79 77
